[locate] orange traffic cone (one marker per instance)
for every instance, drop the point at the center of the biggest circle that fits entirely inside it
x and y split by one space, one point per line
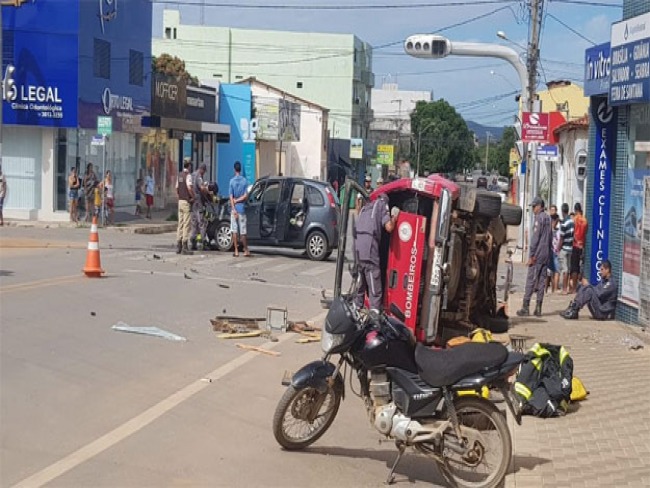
93 268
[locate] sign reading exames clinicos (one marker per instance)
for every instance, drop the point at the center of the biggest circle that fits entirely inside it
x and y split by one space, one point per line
534 127
604 116
630 63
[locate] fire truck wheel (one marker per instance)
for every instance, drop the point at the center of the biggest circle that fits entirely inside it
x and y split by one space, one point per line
455 262
511 214
488 204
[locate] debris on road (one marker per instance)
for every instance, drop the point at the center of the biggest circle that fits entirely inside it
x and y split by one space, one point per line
632 343
258 349
194 270
221 285
234 324
187 277
302 326
255 278
155 256
242 335
307 340
93 314
153 331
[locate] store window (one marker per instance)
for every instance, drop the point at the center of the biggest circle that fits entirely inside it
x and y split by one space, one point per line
136 68
102 59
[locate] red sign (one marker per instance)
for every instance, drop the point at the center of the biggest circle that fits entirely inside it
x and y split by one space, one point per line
534 127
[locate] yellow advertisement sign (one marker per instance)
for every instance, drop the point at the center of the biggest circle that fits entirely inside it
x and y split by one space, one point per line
385 154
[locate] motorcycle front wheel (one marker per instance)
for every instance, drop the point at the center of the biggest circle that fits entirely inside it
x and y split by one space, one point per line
303 415
486 450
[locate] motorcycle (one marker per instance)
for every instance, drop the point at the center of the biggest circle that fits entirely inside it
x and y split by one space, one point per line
429 400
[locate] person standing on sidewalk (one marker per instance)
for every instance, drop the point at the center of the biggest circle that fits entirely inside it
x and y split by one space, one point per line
564 258
185 198
579 234
89 183
539 257
149 188
200 187
109 195
238 190
73 193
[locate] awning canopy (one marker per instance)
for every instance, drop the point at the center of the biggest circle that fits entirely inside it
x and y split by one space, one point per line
222 131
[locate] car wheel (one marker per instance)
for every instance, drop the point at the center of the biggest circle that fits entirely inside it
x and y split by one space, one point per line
511 214
223 236
317 247
488 204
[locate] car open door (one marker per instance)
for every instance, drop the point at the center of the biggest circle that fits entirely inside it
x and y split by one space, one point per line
269 209
346 259
254 209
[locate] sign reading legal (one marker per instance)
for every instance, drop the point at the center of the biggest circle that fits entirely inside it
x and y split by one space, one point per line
630 61
534 127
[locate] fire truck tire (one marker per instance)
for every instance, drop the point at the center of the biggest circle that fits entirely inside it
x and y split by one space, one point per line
455 264
488 204
511 214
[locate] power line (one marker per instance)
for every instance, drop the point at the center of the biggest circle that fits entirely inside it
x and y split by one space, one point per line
262 6
570 28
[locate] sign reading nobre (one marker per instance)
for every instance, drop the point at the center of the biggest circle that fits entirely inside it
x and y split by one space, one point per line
534 127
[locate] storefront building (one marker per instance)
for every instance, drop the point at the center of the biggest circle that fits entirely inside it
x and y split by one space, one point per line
618 199
182 126
65 64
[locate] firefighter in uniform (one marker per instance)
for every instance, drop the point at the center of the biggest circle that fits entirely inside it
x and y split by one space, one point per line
373 218
539 257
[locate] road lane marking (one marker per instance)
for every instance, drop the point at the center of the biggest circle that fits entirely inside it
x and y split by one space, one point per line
140 421
30 285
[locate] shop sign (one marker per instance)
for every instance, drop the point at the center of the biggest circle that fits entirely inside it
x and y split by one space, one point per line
111 102
597 70
169 97
40 100
604 117
385 154
289 121
630 63
534 127
547 153
356 148
201 104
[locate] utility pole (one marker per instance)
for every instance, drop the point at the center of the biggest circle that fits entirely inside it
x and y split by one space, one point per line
536 8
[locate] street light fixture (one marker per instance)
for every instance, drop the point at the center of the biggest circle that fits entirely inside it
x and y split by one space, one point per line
502 35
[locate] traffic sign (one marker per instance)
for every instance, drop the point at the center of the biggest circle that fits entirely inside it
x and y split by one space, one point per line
547 153
98 140
385 154
104 125
534 127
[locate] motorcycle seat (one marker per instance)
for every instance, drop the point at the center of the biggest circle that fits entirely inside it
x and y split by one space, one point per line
444 367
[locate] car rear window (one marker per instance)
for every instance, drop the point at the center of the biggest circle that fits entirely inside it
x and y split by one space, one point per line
315 197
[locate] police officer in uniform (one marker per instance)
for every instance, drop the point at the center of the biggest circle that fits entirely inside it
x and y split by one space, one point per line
539 258
185 192
373 218
199 224
600 299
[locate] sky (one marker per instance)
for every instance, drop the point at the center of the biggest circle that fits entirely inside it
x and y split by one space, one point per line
480 88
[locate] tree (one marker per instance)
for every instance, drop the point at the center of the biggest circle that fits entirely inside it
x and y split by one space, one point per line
447 143
172 66
501 159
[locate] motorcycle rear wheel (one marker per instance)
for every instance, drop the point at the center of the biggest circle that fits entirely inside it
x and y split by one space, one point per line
486 465
295 423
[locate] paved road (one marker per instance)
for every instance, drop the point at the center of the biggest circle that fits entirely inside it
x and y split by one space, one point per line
83 405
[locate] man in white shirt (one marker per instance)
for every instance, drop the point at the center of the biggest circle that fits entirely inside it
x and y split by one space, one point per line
149 184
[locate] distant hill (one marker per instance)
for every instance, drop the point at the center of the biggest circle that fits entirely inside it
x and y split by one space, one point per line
480 130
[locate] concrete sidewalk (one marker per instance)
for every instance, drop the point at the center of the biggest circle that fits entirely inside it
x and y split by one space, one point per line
605 439
125 221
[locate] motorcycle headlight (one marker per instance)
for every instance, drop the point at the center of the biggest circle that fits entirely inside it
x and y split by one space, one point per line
330 341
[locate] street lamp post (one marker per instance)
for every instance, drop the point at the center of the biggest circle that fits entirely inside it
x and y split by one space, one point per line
487 150
420 131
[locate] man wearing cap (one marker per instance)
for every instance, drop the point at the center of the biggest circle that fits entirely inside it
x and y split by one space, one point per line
368 187
380 181
199 226
539 258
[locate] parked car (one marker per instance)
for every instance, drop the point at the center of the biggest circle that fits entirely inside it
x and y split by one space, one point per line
285 212
481 182
504 184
